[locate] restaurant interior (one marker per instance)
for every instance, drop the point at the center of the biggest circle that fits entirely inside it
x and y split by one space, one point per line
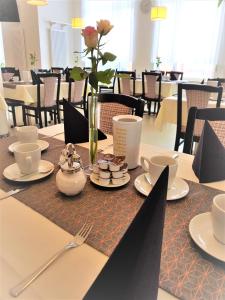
112 149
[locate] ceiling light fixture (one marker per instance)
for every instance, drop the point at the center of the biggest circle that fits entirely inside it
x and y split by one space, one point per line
77 23
158 13
38 2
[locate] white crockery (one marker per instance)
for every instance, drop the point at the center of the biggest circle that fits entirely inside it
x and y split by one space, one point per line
218 217
156 164
201 231
43 145
27 157
27 134
107 183
178 190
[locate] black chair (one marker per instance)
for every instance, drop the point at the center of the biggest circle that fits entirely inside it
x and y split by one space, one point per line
124 87
116 104
57 70
159 71
209 114
197 95
175 75
43 71
35 78
8 73
108 88
49 103
67 73
151 81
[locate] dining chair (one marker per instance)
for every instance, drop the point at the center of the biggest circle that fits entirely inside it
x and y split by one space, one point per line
175 75
115 104
151 90
197 95
8 73
108 88
221 82
126 83
159 71
209 114
43 71
47 100
57 70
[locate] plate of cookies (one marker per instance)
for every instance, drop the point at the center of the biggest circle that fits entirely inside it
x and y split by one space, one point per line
110 172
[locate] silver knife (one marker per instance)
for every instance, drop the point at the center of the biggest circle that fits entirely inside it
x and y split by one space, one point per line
12 192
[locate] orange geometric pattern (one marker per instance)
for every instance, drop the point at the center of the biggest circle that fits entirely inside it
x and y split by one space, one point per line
186 271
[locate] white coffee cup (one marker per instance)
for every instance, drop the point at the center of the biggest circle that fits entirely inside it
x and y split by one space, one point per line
156 164
27 157
27 134
218 217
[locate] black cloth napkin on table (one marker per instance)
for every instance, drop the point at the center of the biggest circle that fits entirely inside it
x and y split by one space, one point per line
132 271
76 128
209 161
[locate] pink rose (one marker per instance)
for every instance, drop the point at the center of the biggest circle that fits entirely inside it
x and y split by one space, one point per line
90 35
104 27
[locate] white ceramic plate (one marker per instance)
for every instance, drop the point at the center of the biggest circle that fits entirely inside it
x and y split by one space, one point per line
179 189
96 181
43 144
201 231
13 173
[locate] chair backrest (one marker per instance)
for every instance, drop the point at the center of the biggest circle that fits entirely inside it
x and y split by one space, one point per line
43 71
126 82
216 116
151 85
77 90
197 95
175 75
57 70
7 73
116 104
51 85
157 71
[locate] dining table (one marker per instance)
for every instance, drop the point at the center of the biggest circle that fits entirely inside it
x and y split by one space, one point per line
37 222
168 111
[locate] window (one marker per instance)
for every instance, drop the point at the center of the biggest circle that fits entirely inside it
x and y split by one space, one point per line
120 39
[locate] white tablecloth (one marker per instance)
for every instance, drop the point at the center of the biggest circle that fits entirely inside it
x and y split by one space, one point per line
29 239
168 111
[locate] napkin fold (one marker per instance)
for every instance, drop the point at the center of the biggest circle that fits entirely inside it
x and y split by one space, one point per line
76 128
209 161
132 271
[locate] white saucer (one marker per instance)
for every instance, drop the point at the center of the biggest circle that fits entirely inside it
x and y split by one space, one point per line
178 190
110 185
43 144
13 173
200 228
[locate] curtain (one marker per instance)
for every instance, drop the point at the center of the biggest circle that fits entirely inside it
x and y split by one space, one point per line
120 40
188 39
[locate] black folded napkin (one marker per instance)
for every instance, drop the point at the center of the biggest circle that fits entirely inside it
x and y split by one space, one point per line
209 161
76 126
132 271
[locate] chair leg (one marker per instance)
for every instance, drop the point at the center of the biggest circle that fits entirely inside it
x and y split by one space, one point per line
58 114
177 143
24 116
46 119
55 119
149 103
14 116
40 118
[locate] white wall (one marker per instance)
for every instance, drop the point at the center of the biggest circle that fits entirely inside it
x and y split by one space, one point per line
60 12
22 38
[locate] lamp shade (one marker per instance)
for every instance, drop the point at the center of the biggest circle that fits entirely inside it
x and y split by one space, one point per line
158 13
37 2
77 23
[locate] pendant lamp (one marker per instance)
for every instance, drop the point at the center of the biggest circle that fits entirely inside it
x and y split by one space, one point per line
77 23
158 13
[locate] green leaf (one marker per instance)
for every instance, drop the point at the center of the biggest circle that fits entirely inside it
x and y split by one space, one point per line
107 56
219 2
105 76
93 80
78 74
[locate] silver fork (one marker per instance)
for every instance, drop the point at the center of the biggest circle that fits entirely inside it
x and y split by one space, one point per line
78 240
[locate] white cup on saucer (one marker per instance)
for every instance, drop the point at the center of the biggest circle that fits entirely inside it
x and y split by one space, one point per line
156 164
27 134
27 157
218 217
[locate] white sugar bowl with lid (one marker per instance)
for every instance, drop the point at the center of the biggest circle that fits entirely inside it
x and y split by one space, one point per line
70 180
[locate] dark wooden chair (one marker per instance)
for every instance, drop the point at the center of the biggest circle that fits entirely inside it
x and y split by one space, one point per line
197 95
126 83
8 73
151 90
116 104
209 114
159 71
108 88
57 70
175 75
49 103
43 71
